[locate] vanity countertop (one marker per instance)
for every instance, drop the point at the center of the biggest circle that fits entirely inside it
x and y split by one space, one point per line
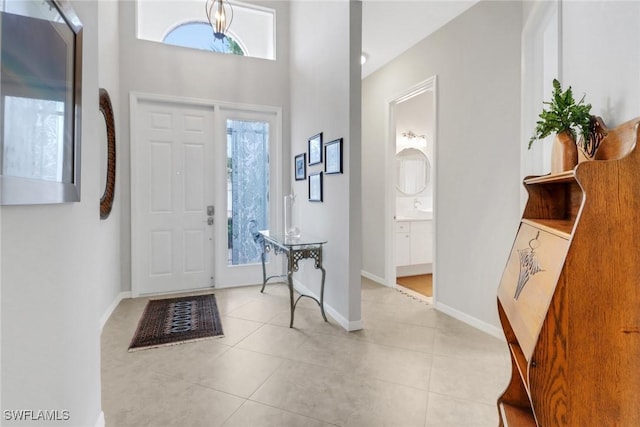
423 216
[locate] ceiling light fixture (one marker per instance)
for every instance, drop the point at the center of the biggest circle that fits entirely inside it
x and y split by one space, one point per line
220 15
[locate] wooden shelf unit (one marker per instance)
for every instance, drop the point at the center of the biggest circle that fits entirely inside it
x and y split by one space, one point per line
569 298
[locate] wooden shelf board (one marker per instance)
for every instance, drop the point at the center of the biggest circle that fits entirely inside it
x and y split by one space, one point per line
567 176
560 227
512 416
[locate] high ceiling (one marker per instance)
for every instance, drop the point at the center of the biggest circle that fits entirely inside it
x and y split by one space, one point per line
390 27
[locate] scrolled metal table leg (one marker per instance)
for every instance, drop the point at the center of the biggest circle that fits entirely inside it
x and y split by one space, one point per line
264 270
293 305
324 316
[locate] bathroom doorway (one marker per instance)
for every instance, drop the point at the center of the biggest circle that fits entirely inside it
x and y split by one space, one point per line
411 198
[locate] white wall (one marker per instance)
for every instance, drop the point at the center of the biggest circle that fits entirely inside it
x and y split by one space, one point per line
155 68
50 290
110 276
476 58
325 97
601 56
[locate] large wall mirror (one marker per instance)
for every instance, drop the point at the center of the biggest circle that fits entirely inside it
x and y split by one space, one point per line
413 170
40 102
108 144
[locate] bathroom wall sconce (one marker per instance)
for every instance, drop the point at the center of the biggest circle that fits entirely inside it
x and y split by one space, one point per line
410 139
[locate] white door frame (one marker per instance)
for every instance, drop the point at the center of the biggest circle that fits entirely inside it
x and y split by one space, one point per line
541 62
135 98
390 178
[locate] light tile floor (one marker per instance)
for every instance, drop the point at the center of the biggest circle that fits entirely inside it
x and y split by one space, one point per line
410 366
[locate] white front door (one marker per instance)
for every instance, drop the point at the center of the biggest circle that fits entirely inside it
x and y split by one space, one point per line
172 153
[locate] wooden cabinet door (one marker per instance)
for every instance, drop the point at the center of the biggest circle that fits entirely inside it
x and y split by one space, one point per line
403 249
421 242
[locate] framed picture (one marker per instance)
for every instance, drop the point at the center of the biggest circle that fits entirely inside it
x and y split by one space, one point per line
315 149
315 187
40 94
333 157
300 165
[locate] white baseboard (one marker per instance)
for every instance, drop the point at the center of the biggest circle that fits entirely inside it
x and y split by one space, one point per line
470 320
349 326
114 304
100 422
373 277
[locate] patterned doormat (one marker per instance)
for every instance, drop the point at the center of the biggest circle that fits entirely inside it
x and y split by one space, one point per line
177 320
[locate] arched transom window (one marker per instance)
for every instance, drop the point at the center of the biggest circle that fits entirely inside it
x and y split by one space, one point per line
199 35
184 23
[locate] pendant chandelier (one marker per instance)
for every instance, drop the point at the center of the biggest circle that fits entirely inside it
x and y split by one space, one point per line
220 15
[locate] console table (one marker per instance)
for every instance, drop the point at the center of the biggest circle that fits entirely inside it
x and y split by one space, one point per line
295 249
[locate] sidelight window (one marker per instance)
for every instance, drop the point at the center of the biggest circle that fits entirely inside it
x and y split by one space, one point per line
247 188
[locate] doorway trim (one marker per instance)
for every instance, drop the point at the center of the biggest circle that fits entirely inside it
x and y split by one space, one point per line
541 47
427 85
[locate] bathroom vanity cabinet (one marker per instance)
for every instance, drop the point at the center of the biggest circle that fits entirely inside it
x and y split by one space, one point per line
569 298
414 242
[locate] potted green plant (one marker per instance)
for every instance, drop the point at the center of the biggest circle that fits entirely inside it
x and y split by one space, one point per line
565 117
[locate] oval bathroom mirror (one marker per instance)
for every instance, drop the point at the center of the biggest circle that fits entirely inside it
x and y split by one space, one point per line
412 171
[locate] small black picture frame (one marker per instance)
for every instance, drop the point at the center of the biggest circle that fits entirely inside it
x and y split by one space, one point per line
333 157
315 187
300 166
315 149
